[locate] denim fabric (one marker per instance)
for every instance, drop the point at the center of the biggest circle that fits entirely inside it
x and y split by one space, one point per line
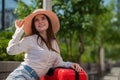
21 74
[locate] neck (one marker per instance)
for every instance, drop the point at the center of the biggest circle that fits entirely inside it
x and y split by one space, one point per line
44 35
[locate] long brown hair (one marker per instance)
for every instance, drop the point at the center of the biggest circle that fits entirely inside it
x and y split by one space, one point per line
50 35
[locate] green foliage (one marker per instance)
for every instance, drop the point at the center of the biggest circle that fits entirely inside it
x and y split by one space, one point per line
76 17
4 39
5 36
103 32
23 10
87 17
65 50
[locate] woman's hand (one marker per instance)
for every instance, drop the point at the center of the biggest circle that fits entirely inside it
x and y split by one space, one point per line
19 24
76 67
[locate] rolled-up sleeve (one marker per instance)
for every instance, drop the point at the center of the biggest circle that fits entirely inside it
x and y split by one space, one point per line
16 45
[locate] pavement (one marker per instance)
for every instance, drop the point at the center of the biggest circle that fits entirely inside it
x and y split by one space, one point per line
113 75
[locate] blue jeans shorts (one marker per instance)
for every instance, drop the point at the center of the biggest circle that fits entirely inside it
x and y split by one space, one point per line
23 72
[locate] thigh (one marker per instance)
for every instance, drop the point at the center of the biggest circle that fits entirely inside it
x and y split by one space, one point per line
16 77
19 74
20 77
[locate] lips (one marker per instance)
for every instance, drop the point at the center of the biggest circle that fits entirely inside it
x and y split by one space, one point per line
41 25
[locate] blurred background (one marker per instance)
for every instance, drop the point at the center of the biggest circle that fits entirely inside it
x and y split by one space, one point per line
89 34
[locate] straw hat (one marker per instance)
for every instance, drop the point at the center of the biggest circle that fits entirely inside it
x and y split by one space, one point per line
51 15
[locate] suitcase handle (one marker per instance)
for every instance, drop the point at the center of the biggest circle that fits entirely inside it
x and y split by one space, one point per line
51 71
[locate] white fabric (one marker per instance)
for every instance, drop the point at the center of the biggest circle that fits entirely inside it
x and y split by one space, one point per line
39 58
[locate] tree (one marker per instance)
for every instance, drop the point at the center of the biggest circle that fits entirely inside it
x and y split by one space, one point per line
23 10
102 31
75 16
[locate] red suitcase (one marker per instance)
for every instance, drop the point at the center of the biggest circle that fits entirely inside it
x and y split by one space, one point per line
66 74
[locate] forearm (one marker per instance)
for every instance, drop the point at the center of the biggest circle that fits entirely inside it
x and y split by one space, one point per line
60 63
14 42
64 64
16 36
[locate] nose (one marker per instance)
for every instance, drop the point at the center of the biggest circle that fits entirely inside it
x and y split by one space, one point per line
40 21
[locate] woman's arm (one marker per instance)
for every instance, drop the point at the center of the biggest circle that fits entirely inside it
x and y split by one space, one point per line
16 45
60 63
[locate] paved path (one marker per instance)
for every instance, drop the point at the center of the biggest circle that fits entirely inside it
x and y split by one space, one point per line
114 74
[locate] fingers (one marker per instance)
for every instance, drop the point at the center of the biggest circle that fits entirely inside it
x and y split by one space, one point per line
19 23
76 67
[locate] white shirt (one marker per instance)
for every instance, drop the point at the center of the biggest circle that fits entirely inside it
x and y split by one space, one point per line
38 58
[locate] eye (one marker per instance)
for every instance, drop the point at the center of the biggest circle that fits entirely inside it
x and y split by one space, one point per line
43 18
36 19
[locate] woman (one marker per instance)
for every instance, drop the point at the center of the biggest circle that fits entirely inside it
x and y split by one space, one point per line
40 46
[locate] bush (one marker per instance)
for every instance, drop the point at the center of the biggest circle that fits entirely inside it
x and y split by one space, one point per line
5 36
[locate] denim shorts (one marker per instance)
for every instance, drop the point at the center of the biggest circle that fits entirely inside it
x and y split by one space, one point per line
23 72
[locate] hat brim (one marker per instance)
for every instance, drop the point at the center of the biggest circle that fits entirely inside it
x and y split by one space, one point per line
51 15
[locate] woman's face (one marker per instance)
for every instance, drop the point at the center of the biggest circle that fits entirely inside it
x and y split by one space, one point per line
41 23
